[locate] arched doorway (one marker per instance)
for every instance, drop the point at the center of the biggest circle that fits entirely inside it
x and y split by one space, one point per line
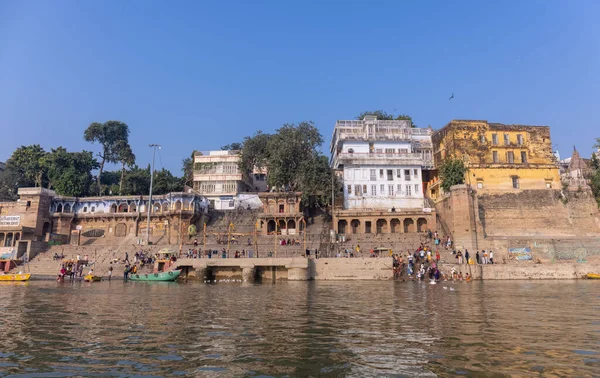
381 226
291 224
1 239
421 225
46 229
113 208
395 226
165 207
132 208
282 226
9 240
271 226
67 208
123 208
59 208
121 230
409 225
355 224
342 224
178 206
156 208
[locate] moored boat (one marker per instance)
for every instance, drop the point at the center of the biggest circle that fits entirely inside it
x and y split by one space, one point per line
92 278
15 277
593 276
160 276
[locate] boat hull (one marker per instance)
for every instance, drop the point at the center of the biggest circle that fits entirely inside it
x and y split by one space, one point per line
15 277
162 276
593 276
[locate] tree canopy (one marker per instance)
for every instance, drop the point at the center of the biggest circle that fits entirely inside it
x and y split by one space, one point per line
114 137
292 159
452 172
381 114
232 147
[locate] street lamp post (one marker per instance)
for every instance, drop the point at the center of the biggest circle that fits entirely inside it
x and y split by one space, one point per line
154 147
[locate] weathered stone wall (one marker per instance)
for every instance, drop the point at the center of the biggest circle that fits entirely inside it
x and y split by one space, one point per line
538 213
352 269
458 215
525 271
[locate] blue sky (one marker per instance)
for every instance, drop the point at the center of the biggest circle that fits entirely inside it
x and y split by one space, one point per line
201 74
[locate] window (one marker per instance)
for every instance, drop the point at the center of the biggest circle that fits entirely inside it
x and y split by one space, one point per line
390 175
506 139
515 182
357 190
391 189
510 157
495 156
408 190
524 157
399 189
357 174
390 150
398 173
382 189
416 173
93 209
416 188
482 139
548 184
232 203
373 190
519 139
349 189
381 173
85 209
364 189
407 174
479 184
350 173
495 139
365 174
379 150
373 173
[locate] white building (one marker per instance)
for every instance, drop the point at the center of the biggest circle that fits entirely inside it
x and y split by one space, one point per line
382 162
218 178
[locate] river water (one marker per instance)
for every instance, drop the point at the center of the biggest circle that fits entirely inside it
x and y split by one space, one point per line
300 329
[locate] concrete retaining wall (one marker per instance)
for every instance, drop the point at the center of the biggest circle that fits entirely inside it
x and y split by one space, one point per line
351 269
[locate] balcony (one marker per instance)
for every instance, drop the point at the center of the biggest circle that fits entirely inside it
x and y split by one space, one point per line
220 177
358 158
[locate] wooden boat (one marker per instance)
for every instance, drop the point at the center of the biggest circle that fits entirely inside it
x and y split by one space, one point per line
15 277
593 276
91 278
161 276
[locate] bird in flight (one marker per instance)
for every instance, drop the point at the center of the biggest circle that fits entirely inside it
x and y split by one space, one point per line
451 97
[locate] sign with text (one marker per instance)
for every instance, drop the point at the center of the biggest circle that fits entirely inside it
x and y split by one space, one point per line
10 220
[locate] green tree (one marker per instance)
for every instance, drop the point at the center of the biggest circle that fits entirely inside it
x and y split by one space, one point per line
380 114
110 181
69 173
232 147
407 118
125 156
187 167
165 182
452 172
254 153
137 181
25 167
109 134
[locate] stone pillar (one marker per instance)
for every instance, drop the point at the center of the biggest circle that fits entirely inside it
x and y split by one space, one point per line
248 274
199 273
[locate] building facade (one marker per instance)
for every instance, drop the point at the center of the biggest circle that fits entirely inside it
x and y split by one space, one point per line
40 216
575 172
218 178
382 165
498 157
281 214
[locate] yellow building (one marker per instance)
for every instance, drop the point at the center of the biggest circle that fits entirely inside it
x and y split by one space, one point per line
498 157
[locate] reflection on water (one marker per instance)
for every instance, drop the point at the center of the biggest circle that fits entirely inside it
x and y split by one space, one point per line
303 329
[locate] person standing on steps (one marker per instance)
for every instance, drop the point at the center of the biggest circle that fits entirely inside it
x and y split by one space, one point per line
491 257
126 258
477 257
467 256
110 270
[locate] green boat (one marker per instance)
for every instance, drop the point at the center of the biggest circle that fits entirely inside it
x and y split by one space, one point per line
161 276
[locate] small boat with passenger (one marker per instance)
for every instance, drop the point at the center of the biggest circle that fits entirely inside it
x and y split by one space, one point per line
15 277
171 275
